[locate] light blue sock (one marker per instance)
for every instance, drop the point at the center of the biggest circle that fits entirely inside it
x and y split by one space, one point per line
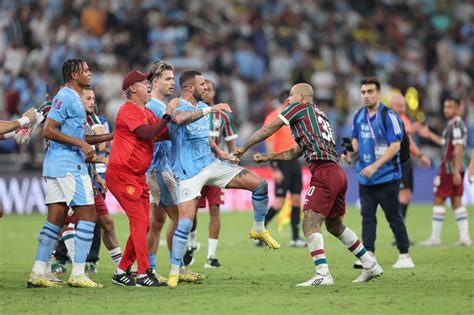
46 240
83 240
152 260
180 240
260 201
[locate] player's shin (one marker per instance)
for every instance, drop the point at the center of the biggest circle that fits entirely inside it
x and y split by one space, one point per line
316 250
180 242
260 206
354 245
46 242
82 242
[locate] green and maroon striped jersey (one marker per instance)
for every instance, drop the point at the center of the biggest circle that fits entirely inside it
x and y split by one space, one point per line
454 133
312 132
221 128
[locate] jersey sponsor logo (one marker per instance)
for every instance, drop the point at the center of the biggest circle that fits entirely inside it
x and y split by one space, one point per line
130 190
57 103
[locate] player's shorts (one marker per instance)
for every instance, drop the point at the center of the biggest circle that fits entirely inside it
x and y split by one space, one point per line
406 181
217 174
213 195
326 194
293 181
443 186
73 190
162 188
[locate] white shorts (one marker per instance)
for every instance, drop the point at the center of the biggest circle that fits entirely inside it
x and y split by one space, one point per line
162 188
73 190
217 174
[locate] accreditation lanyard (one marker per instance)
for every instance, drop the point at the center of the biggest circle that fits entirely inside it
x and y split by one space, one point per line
372 134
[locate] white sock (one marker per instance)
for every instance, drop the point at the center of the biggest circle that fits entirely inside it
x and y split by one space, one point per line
116 255
119 271
316 250
78 269
192 238
68 238
211 248
462 221
259 226
354 245
174 270
437 222
39 268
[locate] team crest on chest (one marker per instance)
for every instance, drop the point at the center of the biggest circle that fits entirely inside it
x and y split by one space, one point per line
130 190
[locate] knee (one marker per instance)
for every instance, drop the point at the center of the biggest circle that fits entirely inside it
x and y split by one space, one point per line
262 188
185 225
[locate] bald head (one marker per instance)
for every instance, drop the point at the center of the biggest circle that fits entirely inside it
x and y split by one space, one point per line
398 104
301 93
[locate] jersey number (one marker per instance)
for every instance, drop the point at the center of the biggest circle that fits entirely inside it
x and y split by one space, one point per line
327 132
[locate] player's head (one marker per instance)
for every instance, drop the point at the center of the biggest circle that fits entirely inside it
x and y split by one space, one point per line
193 82
301 93
208 96
370 91
88 99
451 107
162 78
398 104
76 70
135 85
283 97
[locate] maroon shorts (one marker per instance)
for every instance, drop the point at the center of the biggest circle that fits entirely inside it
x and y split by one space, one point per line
326 194
213 195
443 186
100 206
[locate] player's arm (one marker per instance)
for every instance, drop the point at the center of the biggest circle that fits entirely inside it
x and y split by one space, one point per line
260 135
51 132
457 167
287 155
7 127
416 151
425 132
221 154
94 139
471 169
183 117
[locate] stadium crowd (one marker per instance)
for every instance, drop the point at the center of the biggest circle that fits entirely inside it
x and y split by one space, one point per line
251 49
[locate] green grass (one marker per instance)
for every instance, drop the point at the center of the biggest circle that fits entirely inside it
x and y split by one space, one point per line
255 280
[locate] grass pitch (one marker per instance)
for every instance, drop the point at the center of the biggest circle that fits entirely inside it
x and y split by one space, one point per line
255 280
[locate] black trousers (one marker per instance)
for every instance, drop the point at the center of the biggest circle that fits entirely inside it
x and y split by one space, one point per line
385 195
93 256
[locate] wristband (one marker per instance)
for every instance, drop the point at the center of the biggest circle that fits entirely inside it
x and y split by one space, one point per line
23 121
206 111
11 134
166 117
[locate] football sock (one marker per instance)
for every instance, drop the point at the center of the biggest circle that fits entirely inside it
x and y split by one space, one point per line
437 222
212 248
116 255
270 214
152 261
180 242
82 244
46 242
461 216
260 206
354 245
68 239
316 250
193 238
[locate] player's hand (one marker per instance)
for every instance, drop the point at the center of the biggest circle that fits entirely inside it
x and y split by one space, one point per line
172 105
30 114
260 158
457 179
425 161
470 176
424 132
277 176
228 157
88 151
239 152
221 107
102 184
369 170
346 157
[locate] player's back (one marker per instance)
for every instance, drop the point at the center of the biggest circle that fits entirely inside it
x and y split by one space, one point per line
311 130
60 159
454 133
162 150
190 143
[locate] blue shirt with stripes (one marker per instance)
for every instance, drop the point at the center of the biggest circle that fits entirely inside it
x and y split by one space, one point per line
373 137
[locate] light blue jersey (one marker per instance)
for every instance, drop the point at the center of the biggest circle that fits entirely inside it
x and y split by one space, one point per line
60 159
191 151
161 161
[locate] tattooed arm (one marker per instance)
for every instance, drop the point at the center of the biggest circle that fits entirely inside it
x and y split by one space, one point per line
182 117
260 135
221 154
288 155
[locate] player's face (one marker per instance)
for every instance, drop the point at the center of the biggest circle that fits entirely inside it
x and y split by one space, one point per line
143 90
450 109
208 96
200 87
88 100
399 106
165 83
294 97
84 75
370 95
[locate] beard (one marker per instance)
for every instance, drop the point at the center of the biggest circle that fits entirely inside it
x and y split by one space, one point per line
197 96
